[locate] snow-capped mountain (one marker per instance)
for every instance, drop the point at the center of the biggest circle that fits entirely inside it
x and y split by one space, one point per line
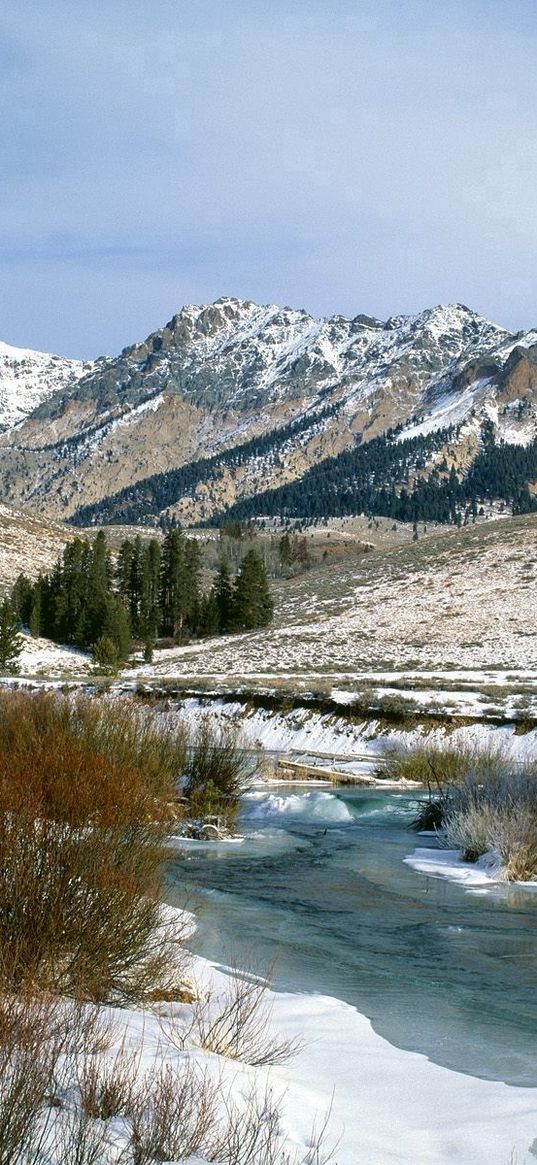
27 378
281 387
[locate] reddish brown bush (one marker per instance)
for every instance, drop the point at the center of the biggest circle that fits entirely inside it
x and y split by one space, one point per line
85 787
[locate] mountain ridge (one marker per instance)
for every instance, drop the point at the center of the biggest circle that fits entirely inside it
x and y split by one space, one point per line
219 376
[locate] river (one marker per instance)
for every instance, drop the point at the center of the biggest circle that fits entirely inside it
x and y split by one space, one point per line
316 887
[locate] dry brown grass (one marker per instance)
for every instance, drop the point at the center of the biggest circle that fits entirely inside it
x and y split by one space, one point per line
235 1023
218 770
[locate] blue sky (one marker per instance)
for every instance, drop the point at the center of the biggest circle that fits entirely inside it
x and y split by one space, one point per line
342 156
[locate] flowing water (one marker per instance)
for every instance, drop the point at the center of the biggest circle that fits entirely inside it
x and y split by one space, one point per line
318 888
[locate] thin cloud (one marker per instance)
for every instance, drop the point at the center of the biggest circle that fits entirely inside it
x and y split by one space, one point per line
376 157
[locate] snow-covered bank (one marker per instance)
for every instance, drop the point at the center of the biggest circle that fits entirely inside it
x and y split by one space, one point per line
387 1106
448 863
354 746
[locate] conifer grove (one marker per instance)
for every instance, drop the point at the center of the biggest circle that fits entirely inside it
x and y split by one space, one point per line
149 590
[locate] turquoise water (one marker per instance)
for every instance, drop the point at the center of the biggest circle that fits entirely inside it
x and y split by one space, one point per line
318 888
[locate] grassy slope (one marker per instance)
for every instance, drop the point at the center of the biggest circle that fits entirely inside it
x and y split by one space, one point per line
28 544
459 599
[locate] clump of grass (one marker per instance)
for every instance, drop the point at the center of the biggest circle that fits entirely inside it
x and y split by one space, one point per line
499 814
218 770
429 814
480 800
436 764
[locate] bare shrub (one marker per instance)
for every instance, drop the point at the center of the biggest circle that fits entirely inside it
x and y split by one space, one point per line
180 1112
173 1115
125 734
31 1044
396 707
85 787
79 912
251 1135
107 1086
235 1023
80 1140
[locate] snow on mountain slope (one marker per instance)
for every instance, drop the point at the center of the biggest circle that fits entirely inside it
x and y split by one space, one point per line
27 378
238 352
217 375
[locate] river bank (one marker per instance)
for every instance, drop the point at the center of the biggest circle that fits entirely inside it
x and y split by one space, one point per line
382 1105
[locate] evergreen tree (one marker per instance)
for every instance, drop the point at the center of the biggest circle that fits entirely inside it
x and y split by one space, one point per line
34 622
22 598
209 623
116 626
136 585
123 571
150 608
105 655
223 597
99 587
10 640
180 579
285 551
252 602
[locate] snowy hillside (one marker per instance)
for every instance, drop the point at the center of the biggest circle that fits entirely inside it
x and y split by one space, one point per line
459 602
27 378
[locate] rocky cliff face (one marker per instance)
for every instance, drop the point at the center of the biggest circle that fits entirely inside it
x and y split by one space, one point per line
216 376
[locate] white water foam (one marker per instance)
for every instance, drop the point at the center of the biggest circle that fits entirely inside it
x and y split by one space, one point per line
313 806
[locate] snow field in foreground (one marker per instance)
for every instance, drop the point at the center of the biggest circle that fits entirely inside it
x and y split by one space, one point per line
387 1106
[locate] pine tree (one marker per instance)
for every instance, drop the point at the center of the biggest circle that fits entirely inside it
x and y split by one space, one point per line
208 619
99 587
105 655
22 598
116 626
172 583
34 622
123 570
252 602
10 640
285 551
223 596
180 580
150 608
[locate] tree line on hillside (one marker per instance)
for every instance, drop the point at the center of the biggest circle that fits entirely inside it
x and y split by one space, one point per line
148 497
150 591
375 479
